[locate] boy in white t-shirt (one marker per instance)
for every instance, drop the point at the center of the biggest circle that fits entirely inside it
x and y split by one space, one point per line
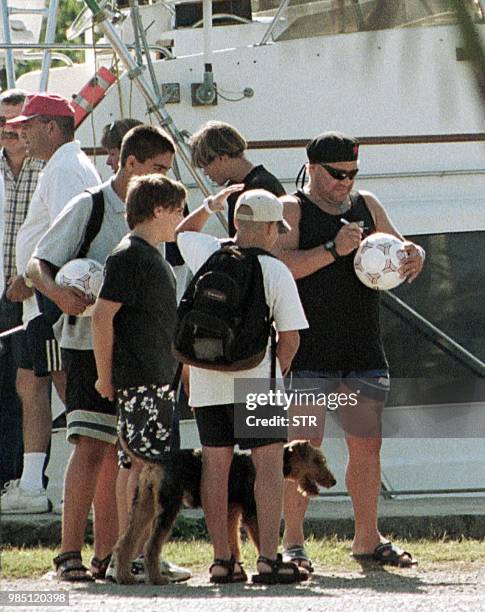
259 220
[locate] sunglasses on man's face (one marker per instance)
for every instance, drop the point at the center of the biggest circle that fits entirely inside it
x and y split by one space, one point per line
340 175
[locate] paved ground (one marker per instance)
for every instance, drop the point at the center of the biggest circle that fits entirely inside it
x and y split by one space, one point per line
457 588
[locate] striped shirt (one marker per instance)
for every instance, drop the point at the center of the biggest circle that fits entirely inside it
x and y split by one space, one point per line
18 193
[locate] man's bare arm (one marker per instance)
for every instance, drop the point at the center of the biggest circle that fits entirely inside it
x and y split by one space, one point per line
303 262
413 264
288 343
198 218
69 299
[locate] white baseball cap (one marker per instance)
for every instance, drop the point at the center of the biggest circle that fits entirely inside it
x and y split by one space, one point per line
265 208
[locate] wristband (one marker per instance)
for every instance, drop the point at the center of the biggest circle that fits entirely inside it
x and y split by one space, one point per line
207 203
27 281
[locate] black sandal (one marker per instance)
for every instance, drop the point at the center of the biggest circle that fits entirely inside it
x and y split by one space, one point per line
388 553
75 572
100 566
231 577
275 576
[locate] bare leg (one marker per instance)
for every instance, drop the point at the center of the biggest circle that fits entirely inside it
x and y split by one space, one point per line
268 492
294 503
36 411
216 463
105 512
294 509
79 486
363 480
362 426
59 380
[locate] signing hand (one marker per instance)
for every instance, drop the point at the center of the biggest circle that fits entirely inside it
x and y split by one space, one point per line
348 238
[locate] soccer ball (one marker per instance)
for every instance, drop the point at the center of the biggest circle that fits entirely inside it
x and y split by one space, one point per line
377 261
84 274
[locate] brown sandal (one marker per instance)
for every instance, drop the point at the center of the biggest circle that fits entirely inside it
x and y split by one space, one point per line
100 566
71 572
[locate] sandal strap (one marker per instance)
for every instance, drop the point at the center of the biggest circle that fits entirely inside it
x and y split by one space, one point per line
278 563
101 563
67 556
226 563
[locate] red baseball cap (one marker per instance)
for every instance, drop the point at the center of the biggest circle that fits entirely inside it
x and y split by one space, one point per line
43 103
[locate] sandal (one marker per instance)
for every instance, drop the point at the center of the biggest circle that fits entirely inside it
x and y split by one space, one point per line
275 576
388 553
297 554
231 576
71 572
100 566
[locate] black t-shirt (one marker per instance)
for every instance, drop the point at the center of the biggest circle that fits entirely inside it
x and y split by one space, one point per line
258 178
137 276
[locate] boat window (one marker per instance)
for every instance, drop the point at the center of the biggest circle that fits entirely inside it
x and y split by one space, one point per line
306 18
450 295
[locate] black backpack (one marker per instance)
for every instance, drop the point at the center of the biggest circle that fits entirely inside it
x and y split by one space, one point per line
223 320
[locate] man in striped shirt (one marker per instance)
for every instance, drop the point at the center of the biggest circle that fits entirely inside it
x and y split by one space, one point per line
20 174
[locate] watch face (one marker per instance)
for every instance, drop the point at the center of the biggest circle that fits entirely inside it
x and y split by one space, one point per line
330 244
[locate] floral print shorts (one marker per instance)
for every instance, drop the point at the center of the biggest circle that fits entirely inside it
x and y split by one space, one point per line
144 420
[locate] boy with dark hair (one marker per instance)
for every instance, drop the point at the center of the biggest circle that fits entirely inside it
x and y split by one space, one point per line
112 137
133 324
145 142
91 419
134 317
220 150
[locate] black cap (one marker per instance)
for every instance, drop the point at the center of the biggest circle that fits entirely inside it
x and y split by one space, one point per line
332 147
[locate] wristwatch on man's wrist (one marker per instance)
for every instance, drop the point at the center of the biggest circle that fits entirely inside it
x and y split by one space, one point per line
331 248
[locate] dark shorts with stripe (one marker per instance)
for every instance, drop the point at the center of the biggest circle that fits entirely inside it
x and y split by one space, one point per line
40 350
88 414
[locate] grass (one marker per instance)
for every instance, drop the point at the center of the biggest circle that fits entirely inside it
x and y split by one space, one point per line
331 554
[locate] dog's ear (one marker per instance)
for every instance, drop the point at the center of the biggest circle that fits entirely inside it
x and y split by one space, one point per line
307 487
303 448
287 454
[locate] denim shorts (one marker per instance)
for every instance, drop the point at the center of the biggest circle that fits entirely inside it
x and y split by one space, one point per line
374 384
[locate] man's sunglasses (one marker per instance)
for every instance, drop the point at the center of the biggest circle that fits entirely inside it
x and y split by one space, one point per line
340 175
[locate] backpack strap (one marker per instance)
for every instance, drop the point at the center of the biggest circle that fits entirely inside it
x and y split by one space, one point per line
95 221
92 229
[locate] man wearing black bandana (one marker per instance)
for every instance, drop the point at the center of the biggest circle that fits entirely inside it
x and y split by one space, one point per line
343 343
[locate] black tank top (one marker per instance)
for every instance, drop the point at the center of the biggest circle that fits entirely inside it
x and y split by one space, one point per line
343 314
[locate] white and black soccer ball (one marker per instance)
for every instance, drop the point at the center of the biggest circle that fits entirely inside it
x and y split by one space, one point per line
84 274
377 261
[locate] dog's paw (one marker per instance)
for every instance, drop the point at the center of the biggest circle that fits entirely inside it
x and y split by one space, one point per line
125 577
